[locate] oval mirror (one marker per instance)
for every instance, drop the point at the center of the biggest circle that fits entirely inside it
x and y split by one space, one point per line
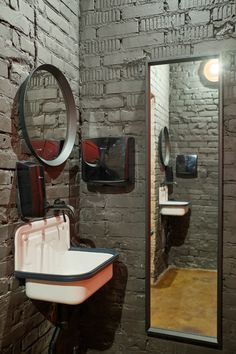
164 147
48 115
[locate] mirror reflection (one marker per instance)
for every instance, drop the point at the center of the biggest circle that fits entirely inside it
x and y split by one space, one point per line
164 147
184 203
45 115
108 160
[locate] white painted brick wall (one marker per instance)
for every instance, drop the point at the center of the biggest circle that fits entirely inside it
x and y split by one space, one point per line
125 86
143 10
15 19
118 29
143 40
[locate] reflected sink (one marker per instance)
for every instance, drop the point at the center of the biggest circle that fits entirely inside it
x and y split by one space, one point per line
55 272
173 207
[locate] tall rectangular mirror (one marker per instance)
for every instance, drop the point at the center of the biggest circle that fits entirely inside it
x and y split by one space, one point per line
184 202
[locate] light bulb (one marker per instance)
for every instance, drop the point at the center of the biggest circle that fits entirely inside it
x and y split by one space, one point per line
211 70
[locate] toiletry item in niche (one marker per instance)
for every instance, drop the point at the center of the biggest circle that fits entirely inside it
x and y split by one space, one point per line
108 161
163 194
31 193
186 166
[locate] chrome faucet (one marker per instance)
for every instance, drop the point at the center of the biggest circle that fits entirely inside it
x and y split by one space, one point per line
60 205
166 183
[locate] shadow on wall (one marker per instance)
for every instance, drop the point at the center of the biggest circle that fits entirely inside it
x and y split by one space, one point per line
93 324
176 230
16 139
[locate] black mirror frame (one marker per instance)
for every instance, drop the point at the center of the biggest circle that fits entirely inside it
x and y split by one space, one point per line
215 342
164 135
71 114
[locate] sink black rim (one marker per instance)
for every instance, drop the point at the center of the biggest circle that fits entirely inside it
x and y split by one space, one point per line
71 277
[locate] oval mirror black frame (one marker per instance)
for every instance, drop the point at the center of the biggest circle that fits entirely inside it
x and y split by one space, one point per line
71 114
164 156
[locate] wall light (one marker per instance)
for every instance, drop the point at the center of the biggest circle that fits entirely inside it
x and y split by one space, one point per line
211 70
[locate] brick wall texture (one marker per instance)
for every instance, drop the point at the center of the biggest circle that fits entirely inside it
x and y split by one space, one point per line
115 39
31 33
159 114
45 109
194 116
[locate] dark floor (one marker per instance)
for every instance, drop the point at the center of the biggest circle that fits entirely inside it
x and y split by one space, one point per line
186 300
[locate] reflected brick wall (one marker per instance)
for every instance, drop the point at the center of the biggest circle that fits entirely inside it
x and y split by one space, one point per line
159 76
194 123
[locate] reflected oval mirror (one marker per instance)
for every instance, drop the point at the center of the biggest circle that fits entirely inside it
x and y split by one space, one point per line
164 147
48 115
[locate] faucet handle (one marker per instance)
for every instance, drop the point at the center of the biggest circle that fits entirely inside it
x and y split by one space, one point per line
60 205
58 201
171 183
167 183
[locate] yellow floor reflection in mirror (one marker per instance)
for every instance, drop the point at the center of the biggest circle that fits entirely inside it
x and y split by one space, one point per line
185 300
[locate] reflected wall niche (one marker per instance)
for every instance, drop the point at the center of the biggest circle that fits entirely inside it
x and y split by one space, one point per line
184 246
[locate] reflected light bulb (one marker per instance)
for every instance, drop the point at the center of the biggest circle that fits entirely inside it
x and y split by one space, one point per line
211 70
214 69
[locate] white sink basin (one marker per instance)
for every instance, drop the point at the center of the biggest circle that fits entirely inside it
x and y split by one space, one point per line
53 271
173 207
